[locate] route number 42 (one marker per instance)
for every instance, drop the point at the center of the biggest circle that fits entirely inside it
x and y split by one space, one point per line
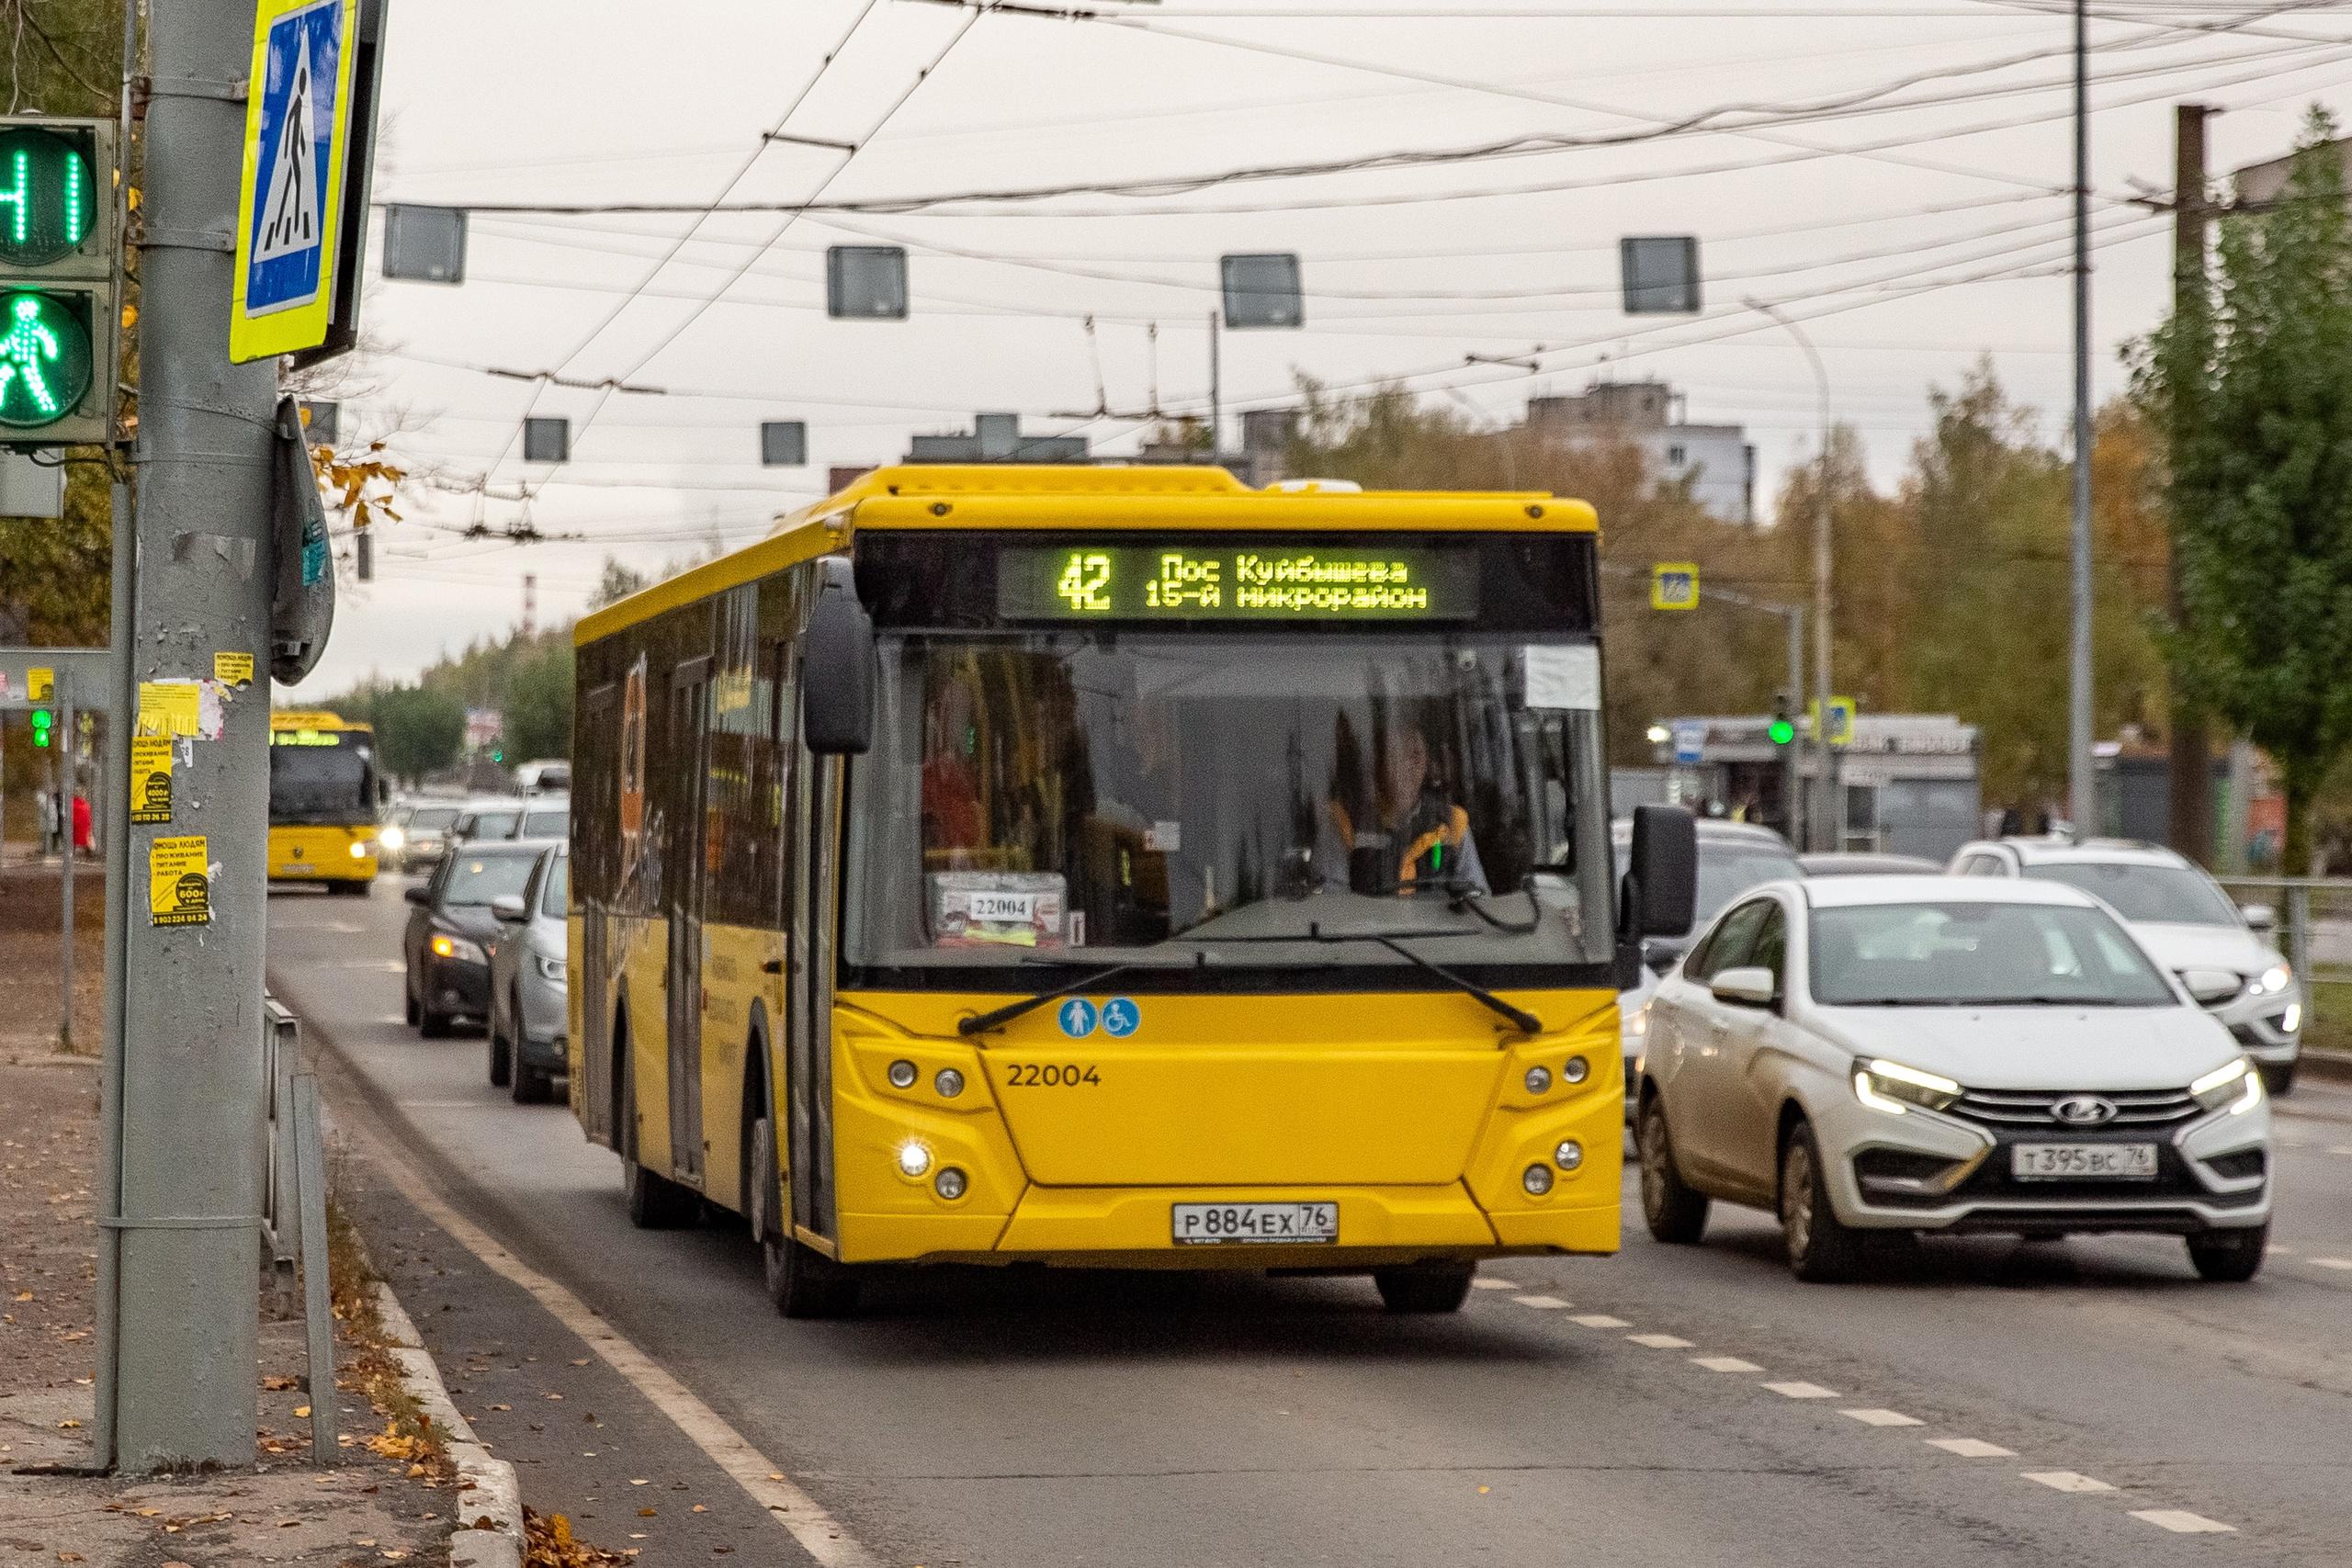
1085 582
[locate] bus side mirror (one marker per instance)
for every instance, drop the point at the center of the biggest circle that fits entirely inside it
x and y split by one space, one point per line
1659 895
837 668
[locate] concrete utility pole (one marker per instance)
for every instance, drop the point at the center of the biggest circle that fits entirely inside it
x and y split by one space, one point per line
2081 767
2191 770
1822 821
180 1367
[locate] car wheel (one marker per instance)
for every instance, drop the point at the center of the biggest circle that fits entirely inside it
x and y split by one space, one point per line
2278 1077
1675 1211
655 1202
408 1001
801 1281
430 1023
502 1056
533 1086
1821 1247
2230 1258
1431 1288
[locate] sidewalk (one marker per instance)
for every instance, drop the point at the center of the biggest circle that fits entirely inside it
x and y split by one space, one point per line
377 1504
29 919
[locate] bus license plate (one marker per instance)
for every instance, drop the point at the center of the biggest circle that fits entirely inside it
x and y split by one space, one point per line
1214 1224
2059 1162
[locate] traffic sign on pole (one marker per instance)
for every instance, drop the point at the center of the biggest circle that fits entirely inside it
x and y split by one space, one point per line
289 203
1674 586
1841 720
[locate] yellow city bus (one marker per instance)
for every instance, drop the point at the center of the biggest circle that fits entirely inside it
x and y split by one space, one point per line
1113 866
325 799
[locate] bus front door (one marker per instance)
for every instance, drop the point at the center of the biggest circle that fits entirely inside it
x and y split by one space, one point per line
686 877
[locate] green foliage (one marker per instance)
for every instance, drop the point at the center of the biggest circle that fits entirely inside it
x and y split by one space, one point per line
2251 383
418 730
537 706
618 582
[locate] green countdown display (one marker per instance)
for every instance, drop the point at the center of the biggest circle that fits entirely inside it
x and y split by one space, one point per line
1280 580
49 196
44 360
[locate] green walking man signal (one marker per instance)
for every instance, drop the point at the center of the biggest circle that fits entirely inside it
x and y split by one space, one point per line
42 721
59 245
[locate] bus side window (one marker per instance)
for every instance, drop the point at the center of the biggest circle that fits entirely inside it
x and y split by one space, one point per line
781 853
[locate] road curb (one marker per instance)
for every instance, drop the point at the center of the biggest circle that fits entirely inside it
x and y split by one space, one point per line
491 1492
2335 1067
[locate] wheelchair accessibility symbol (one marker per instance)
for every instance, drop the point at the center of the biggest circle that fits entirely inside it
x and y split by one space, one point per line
1121 1017
1077 1017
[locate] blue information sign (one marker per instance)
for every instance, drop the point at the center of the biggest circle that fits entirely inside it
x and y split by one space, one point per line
290 204
1077 1017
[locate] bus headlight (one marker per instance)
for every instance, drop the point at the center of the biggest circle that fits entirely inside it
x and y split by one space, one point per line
949 1184
362 849
1539 1079
949 1083
1537 1180
1570 1156
913 1159
1575 1070
903 1075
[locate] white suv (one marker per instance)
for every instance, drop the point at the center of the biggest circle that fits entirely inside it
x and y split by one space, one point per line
2182 917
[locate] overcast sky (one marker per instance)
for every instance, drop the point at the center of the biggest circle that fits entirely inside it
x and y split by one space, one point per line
1878 221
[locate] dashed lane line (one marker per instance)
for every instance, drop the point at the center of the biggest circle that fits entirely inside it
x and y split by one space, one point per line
1876 1418
2329 1262
1661 1341
1488 1282
1601 1320
2180 1521
1801 1390
1548 1304
1724 1364
1970 1448
2067 1481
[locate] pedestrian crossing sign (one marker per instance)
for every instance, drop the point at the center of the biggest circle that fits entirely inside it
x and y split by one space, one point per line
290 201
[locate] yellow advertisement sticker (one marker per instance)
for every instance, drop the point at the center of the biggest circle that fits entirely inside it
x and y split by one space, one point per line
178 891
151 778
169 707
233 668
40 684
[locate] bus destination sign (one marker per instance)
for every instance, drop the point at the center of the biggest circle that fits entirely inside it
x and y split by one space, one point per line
1235 582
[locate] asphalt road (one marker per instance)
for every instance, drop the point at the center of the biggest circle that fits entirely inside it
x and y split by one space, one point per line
2084 1403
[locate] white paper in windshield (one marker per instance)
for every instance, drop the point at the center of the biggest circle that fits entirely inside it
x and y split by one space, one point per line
1561 677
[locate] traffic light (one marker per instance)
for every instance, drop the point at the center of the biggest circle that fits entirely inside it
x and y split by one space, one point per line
42 721
59 325
1783 727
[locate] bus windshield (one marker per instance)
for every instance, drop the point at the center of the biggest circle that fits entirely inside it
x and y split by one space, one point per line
324 783
1206 802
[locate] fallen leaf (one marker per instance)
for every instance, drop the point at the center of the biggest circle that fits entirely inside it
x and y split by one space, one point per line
24 1295
701 1508
68 1426
648 1513
502 1408
279 1384
301 1412
638 1481
69 1557
581 1361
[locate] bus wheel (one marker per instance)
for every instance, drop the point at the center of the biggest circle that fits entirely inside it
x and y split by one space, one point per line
801 1281
1431 1288
655 1202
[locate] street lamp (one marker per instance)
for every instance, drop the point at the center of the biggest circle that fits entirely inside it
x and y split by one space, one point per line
1821 829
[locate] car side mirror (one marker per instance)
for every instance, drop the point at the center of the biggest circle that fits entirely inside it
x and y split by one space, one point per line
1748 986
837 668
417 894
507 908
2260 917
2212 986
1659 895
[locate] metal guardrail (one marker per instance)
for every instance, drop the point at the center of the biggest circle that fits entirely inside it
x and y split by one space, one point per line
294 1209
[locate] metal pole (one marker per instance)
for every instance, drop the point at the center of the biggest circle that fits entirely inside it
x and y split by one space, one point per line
1789 786
193 1094
1216 382
2083 783
1821 827
114 807
61 765
2191 744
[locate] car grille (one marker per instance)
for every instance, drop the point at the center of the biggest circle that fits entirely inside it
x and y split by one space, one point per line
2022 1109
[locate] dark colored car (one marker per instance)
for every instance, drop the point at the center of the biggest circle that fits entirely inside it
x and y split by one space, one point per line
453 930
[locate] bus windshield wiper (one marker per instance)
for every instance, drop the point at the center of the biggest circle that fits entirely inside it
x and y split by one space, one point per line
996 1018
1465 896
1520 1017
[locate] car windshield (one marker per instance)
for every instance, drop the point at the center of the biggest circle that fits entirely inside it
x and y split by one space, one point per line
1148 797
554 824
554 897
476 880
331 780
1978 955
432 818
1726 871
495 824
2161 893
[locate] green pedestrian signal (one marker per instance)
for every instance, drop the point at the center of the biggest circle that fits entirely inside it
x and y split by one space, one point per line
42 720
44 358
48 194
60 319
1782 732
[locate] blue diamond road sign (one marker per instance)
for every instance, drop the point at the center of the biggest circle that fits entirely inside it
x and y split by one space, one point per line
290 206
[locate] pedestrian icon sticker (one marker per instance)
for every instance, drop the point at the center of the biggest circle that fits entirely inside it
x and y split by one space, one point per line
179 887
1077 1017
151 778
1121 1017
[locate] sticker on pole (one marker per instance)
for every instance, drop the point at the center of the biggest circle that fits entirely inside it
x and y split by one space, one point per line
150 779
298 121
179 891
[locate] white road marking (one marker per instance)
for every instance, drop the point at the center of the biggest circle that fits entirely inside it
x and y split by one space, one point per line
1660 1341
1601 1320
2340 1148
1876 1418
2067 1481
2331 1262
1724 1364
1488 1282
2180 1521
820 1535
2274 1250
1801 1390
1972 1448
1549 1302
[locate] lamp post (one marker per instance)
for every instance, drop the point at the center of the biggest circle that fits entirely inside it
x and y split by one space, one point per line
1821 822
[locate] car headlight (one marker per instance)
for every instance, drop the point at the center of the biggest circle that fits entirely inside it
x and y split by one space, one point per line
2271 981
550 969
459 948
2235 1085
393 838
1893 1087
1637 1022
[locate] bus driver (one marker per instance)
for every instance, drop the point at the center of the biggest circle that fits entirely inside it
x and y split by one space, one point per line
1419 831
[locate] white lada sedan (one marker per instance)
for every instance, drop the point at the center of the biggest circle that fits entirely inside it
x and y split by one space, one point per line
1910 1054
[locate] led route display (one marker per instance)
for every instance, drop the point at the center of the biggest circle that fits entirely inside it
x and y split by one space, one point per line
1274 580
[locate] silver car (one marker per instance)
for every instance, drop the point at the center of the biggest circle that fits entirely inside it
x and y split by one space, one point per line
529 1019
1931 1053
